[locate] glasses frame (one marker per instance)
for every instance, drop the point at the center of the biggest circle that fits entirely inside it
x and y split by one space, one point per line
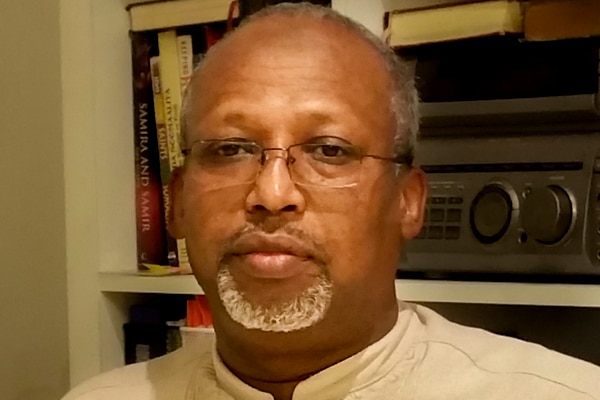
405 160
402 160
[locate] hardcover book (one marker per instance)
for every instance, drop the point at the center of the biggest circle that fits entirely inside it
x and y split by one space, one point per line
453 22
185 55
171 90
561 19
163 62
151 245
163 152
176 13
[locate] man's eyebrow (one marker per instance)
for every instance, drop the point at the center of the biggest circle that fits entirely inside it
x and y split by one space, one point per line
235 118
320 117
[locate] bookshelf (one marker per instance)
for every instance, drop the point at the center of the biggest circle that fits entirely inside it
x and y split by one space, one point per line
99 192
528 294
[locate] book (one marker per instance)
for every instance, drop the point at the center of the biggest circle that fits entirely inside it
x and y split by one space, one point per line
170 79
453 22
128 3
175 13
561 19
156 155
405 5
144 342
198 312
152 329
163 153
185 55
177 256
156 135
150 229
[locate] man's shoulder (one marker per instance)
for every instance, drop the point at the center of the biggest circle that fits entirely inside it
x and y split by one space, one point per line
115 384
167 375
501 359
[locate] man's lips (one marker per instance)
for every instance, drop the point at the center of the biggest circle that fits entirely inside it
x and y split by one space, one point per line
272 265
270 256
271 244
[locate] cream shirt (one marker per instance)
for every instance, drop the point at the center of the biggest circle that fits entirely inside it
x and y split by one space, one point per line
424 357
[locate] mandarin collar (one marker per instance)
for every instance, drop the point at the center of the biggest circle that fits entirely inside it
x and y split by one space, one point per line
342 379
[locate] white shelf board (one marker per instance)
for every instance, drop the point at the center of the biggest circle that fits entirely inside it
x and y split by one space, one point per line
509 293
133 283
542 294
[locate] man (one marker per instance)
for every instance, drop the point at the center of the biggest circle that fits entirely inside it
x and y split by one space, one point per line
295 199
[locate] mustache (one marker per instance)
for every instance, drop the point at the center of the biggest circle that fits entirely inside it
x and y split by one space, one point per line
309 245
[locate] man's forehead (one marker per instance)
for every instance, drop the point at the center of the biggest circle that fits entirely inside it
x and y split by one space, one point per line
306 63
299 36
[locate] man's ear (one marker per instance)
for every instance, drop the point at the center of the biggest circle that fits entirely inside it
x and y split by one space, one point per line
413 197
176 208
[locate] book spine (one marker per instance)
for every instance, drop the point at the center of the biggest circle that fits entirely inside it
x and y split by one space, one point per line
171 89
185 55
562 19
163 152
150 227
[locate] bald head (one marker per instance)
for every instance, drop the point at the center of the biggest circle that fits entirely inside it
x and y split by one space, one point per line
298 42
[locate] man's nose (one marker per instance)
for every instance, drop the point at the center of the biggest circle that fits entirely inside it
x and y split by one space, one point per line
274 190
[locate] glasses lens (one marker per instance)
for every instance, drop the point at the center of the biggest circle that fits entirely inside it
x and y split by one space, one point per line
227 162
223 163
325 164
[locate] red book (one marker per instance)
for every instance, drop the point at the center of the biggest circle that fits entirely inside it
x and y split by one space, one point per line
151 232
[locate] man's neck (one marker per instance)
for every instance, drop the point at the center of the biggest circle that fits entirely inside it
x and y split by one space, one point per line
277 362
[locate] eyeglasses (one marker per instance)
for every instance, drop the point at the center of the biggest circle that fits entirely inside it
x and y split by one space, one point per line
324 161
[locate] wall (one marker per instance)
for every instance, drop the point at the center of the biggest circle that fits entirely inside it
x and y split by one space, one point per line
33 304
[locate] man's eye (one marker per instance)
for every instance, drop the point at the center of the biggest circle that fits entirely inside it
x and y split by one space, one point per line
228 150
220 152
328 150
330 153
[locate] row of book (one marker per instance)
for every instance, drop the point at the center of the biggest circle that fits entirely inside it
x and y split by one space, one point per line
168 39
162 63
420 22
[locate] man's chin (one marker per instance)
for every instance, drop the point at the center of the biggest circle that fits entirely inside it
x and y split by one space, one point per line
275 312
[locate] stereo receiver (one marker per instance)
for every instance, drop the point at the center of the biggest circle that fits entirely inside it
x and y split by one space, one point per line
524 205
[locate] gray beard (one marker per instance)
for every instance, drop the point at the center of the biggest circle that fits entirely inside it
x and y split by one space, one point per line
301 312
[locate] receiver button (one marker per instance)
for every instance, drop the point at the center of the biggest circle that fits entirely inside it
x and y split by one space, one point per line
547 214
438 200
435 232
436 215
453 215
490 214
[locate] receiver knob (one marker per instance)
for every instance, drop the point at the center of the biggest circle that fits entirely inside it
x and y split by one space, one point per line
546 214
490 213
